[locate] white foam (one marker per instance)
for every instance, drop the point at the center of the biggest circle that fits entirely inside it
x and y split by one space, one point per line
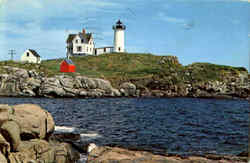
64 129
89 136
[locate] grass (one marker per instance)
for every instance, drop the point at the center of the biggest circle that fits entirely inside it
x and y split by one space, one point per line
140 68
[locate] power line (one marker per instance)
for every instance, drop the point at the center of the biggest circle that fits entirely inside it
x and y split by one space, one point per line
12 52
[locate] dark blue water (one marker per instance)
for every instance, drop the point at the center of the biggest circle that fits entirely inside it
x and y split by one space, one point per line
165 125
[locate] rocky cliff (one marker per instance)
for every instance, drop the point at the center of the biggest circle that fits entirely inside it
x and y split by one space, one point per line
21 82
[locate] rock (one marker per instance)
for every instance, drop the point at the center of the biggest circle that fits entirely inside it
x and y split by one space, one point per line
172 60
83 93
243 154
91 147
95 93
9 85
34 121
119 155
128 89
28 92
17 71
2 158
23 128
51 87
65 153
11 132
66 81
40 150
115 93
86 83
4 146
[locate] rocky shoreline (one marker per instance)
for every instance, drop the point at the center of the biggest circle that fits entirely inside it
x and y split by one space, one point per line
19 82
27 135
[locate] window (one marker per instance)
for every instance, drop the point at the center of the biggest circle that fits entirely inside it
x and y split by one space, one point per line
104 50
28 54
119 49
79 48
76 41
82 40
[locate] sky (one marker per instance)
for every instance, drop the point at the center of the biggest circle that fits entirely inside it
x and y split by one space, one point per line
214 31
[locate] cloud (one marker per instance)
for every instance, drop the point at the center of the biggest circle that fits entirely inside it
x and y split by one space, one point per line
42 25
186 24
245 1
169 19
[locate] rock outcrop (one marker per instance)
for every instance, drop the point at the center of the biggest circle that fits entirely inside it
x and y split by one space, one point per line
128 89
119 155
20 82
24 134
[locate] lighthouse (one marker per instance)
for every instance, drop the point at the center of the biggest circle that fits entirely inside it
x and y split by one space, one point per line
119 29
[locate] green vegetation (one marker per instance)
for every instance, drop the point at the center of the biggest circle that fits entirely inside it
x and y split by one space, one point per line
139 68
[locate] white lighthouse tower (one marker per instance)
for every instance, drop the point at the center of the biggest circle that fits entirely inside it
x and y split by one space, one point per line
119 29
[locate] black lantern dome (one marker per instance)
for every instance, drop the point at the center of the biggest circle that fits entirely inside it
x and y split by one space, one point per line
119 25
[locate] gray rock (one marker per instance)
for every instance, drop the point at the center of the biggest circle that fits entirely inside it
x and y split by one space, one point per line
128 89
17 71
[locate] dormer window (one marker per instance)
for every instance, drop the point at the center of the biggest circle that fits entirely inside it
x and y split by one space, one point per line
82 40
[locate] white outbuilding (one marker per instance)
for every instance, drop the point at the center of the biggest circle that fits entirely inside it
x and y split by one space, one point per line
104 50
31 56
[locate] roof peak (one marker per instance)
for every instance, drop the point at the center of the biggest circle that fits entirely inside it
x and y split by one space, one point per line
119 22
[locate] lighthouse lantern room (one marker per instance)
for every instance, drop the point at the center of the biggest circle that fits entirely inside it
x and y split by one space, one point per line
119 29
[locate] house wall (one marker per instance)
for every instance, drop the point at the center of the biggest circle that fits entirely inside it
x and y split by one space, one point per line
31 58
101 50
87 48
119 40
66 68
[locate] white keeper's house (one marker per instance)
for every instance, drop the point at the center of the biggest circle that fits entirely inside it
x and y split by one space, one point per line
83 44
30 56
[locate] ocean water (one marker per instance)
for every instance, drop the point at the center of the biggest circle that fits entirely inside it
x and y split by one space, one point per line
161 125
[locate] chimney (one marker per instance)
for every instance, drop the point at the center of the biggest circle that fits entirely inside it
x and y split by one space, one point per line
83 31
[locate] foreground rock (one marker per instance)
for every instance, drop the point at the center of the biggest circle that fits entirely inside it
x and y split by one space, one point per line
24 134
119 155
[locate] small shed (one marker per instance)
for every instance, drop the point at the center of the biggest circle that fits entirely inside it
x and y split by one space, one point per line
67 66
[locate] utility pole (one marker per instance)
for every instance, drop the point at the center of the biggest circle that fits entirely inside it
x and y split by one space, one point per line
12 53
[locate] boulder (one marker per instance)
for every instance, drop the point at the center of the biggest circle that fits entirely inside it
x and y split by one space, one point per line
9 85
38 150
51 87
11 132
66 81
22 138
128 89
34 121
